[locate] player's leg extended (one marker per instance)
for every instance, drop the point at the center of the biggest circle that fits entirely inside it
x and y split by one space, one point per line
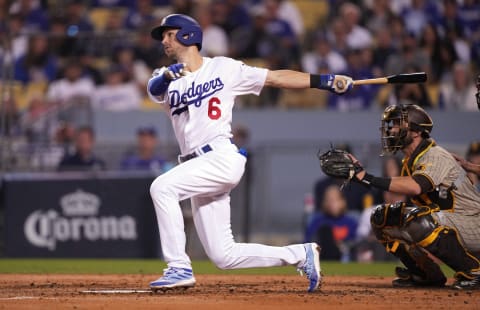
212 221
387 224
211 216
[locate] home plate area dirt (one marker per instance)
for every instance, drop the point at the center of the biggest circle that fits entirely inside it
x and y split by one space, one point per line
226 292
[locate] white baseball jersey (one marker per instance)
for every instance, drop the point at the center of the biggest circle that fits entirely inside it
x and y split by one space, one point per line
201 103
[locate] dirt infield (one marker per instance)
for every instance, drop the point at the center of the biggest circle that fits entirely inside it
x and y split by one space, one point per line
223 292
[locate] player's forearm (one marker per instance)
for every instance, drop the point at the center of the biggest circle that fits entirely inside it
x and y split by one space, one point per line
401 185
288 79
405 185
338 84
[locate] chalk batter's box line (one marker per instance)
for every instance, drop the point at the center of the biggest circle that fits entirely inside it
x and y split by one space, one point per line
115 291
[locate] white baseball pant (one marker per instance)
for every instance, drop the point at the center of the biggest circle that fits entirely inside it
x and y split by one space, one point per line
208 180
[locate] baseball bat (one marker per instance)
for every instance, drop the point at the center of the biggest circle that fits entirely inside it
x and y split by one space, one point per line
417 77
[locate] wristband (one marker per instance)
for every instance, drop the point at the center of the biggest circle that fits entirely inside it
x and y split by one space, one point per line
158 85
321 81
381 183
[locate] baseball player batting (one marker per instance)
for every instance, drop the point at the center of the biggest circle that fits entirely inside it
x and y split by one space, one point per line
442 215
200 92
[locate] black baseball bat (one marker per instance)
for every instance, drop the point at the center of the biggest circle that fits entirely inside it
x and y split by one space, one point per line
417 77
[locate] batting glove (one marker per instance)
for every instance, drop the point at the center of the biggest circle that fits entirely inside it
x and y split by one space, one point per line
341 84
338 84
175 71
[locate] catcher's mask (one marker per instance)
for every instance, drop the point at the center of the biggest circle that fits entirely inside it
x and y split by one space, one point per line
407 118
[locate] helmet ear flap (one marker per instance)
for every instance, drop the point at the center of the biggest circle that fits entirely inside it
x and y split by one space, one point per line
187 36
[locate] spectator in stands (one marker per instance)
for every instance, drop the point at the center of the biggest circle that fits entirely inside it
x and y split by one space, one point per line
470 20
440 52
288 11
38 64
182 6
409 56
459 94
147 50
135 70
418 14
34 122
281 29
378 15
338 36
59 42
77 17
4 6
323 57
231 15
255 42
90 70
9 117
332 228
64 137
83 159
19 39
40 126
359 65
358 37
451 28
145 157
215 40
383 49
114 34
78 26
117 94
140 16
72 85
368 248
34 17
450 19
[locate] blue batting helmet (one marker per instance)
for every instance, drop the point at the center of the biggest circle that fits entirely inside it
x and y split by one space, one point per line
189 33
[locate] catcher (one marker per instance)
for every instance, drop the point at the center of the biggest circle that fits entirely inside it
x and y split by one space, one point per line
442 214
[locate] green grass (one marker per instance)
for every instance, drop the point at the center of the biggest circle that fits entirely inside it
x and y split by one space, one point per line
150 266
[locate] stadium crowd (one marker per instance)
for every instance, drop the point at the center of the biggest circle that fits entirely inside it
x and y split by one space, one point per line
101 49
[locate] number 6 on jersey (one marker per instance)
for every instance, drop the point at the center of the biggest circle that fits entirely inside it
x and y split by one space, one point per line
214 111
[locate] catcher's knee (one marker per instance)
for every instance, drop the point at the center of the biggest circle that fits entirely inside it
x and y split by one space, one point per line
385 220
401 221
421 228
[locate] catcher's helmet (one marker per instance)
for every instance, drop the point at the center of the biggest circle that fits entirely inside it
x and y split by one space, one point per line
408 118
189 33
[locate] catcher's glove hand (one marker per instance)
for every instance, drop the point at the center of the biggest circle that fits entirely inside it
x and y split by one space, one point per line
338 164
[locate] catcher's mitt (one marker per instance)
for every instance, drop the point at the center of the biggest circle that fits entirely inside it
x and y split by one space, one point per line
338 164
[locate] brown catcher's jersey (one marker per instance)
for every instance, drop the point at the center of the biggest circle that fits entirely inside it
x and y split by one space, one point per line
452 189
